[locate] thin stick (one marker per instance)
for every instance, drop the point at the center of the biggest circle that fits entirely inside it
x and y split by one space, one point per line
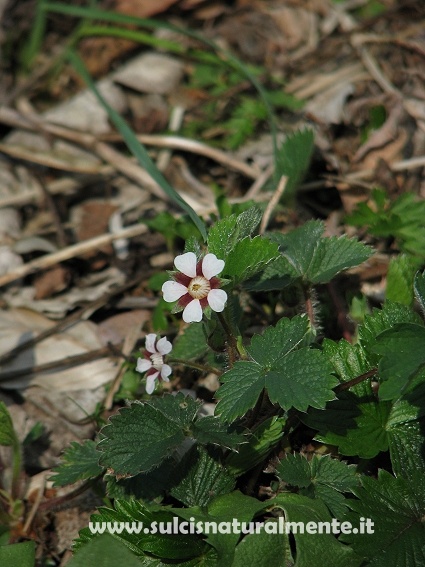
35 506
71 252
272 203
67 362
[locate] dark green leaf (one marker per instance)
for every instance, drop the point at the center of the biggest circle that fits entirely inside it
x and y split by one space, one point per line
80 461
104 551
248 257
293 158
403 353
396 506
191 343
203 478
22 554
419 287
210 429
261 550
401 272
7 432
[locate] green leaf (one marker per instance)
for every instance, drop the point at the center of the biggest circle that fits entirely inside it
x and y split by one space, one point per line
135 146
22 554
320 547
397 508
382 319
273 277
224 508
167 546
419 288
262 441
104 551
248 257
7 432
203 479
301 379
80 461
401 272
316 259
209 429
191 343
277 341
403 353
293 158
292 378
322 477
261 550
242 385
141 436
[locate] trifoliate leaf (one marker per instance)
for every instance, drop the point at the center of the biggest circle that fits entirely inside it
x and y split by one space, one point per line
293 158
141 436
260 443
293 378
248 257
396 506
80 461
104 551
321 546
403 354
401 272
7 432
419 288
316 259
203 478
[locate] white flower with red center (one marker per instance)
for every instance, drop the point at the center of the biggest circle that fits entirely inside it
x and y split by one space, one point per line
153 362
195 285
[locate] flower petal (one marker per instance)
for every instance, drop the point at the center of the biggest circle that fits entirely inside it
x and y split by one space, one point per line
143 364
150 383
150 343
186 263
165 372
211 266
217 299
193 312
163 346
173 291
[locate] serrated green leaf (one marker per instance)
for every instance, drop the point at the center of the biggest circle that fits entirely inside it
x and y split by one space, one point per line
403 354
203 478
263 439
191 343
396 506
320 547
240 390
209 429
166 546
322 477
277 341
316 259
248 257
104 551
262 550
294 470
273 277
141 436
80 461
248 221
7 432
301 379
222 237
22 554
293 158
419 288
400 275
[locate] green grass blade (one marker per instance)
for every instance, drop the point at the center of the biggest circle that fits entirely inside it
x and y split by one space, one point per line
136 148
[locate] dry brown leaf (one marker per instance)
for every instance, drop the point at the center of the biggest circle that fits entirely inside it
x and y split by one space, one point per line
51 282
17 325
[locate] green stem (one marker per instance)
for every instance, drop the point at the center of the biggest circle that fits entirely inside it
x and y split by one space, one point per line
16 469
196 366
232 342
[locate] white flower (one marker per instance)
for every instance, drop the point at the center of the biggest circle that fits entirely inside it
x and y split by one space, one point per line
153 363
195 285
